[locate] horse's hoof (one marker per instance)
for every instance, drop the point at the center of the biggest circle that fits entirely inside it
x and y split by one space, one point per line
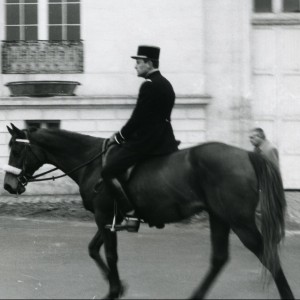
117 294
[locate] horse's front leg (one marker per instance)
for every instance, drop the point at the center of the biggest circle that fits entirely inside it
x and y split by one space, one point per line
94 251
109 270
116 287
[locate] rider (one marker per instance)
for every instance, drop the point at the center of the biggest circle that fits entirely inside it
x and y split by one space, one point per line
147 133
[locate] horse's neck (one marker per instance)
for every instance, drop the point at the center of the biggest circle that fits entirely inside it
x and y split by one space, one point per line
67 150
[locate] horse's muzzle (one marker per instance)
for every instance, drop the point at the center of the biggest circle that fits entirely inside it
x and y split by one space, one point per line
12 184
19 190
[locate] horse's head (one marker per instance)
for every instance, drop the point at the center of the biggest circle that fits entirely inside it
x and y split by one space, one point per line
24 160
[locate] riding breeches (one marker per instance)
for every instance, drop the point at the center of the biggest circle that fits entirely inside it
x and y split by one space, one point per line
118 160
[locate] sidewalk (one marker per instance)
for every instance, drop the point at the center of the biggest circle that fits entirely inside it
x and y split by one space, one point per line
71 206
39 198
45 206
293 206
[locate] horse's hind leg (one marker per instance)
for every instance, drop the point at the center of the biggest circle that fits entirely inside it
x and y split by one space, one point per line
252 239
220 243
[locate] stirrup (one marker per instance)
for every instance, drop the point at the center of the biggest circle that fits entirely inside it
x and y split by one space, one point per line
132 223
130 226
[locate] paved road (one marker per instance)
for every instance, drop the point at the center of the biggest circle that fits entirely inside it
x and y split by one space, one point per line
49 259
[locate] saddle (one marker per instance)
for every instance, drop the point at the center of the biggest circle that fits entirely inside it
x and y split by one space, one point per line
126 175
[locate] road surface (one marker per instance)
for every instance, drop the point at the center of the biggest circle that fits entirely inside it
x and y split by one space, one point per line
49 259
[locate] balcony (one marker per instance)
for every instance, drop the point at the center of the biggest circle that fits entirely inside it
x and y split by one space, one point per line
42 57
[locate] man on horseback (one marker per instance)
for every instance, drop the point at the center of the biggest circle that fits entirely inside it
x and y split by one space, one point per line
147 133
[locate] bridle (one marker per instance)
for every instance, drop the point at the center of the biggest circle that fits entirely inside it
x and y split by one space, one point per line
25 178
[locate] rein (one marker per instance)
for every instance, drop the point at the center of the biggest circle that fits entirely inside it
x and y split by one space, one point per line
24 179
33 178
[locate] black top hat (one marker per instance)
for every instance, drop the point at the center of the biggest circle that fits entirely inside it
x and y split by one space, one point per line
150 52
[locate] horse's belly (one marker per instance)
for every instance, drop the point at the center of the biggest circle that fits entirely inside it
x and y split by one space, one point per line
166 196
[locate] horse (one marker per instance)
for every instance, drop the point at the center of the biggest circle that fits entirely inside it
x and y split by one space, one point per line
225 181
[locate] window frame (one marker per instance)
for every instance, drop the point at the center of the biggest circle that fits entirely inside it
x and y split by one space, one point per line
276 17
64 16
43 124
291 12
22 22
277 7
261 12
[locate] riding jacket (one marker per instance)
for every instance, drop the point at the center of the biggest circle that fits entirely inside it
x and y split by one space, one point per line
149 128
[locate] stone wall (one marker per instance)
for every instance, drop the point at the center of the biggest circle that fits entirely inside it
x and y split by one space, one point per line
228 70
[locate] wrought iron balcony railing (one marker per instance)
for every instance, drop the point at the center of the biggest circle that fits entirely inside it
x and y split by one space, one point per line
42 57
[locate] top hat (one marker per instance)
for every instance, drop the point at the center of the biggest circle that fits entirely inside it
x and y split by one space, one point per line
147 52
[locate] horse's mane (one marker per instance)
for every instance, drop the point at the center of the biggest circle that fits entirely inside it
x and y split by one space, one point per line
61 133
57 138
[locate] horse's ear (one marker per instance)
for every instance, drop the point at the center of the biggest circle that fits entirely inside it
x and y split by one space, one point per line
10 131
16 131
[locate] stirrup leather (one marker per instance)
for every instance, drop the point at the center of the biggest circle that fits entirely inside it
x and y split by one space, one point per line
113 225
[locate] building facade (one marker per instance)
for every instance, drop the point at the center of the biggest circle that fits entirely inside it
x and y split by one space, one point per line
233 65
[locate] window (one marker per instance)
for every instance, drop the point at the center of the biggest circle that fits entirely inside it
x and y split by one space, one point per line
49 124
21 20
64 20
291 5
262 6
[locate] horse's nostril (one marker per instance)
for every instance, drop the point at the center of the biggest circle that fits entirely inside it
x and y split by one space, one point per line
8 188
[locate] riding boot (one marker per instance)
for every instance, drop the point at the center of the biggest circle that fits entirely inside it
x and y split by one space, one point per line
119 193
132 223
122 198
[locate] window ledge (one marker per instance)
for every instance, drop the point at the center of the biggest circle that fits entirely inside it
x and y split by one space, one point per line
276 19
92 101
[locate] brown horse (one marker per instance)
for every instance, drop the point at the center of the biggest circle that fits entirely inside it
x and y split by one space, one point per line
226 181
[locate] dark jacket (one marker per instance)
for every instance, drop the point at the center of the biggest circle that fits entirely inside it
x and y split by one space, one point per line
269 151
149 130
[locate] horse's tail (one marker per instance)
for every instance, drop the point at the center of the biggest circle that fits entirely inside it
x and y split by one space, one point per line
273 205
